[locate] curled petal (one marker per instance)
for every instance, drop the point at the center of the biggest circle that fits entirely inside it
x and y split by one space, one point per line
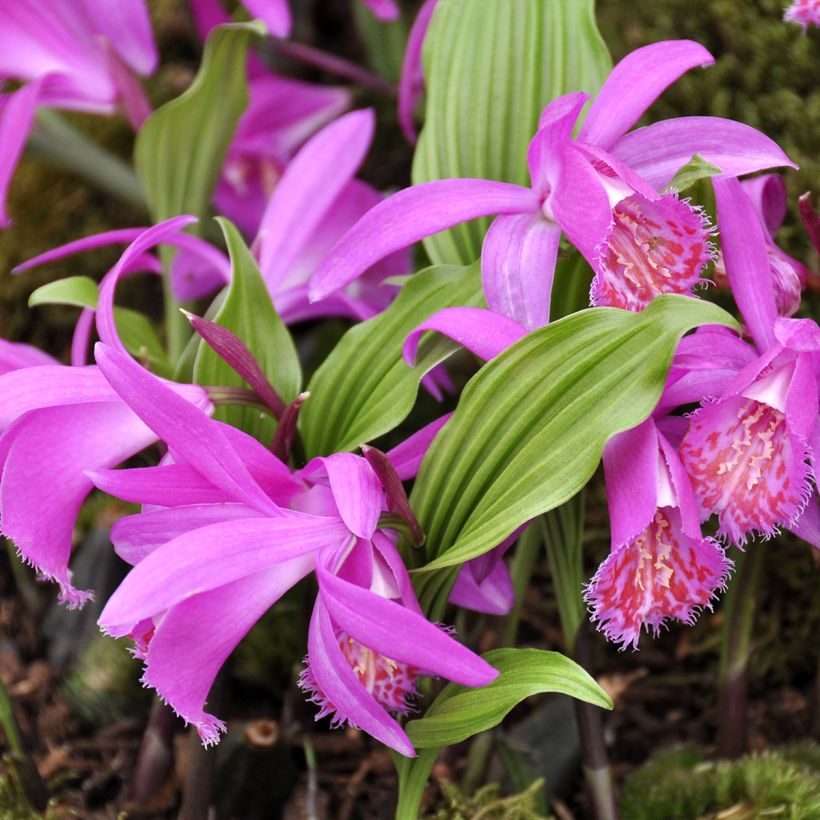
482 332
411 83
15 355
662 574
16 120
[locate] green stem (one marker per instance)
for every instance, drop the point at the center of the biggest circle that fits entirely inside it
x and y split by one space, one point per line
521 569
55 141
9 723
563 532
736 651
177 328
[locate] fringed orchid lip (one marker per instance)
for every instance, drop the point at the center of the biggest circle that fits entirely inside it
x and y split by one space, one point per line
663 573
653 247
746 466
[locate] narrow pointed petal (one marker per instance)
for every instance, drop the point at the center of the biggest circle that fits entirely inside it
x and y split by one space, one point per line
517 266
482 332
210 557
811 220
43 485
407 456
411 215
341 690
196 637
411 82
662 574
185 428
745 255
313 180
136 536
396 632
658 151
494 595
635 83
631 470
87 243
554 132
16 120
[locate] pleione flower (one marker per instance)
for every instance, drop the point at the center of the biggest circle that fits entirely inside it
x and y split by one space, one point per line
602 189
803 12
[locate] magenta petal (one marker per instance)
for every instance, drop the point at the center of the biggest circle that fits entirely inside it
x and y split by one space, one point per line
275 14
768 194
384 10
482 332
313 180
411 83
494 595
745 255
407 456
399 633
185 428
196 637
16 120
342 689
14 355
662 574
210 557
658 151
635 83
807 526
136 536
517 267
631 470
43 484
411 215
127 28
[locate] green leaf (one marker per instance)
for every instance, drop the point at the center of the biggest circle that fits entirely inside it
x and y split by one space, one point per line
364 388
248 311
490 69
79 291
180 148
461 711
141 341
531 425
695 170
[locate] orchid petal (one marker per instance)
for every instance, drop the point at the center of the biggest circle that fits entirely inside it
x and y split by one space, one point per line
341 687
16 120
384 10
311 183
275 14
399 633
407 456
631 470
743 242
136 536
517 267
658 151
635 83
15 355
185 428
196 637
494 595
127 27
210 557
482 332
411 82
807 526
43 485
768 194
411 215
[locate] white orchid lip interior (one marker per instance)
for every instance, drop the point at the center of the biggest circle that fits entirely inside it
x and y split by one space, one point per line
418 365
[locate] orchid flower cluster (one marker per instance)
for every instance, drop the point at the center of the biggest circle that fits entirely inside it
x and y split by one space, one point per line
229 522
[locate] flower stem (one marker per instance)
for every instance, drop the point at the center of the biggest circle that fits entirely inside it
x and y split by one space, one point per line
155 754
736 649
521 569
562 530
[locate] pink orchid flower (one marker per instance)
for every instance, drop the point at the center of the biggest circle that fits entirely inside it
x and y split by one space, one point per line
749 449
77 56
803 12
661 566
229 542
57 422
600 189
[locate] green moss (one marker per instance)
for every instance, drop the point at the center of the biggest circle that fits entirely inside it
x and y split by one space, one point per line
15 806
487 804
679 783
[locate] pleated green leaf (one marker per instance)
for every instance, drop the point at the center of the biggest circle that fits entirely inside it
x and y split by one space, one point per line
248 311
491 66
531 425
180 148
364 388
460 712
